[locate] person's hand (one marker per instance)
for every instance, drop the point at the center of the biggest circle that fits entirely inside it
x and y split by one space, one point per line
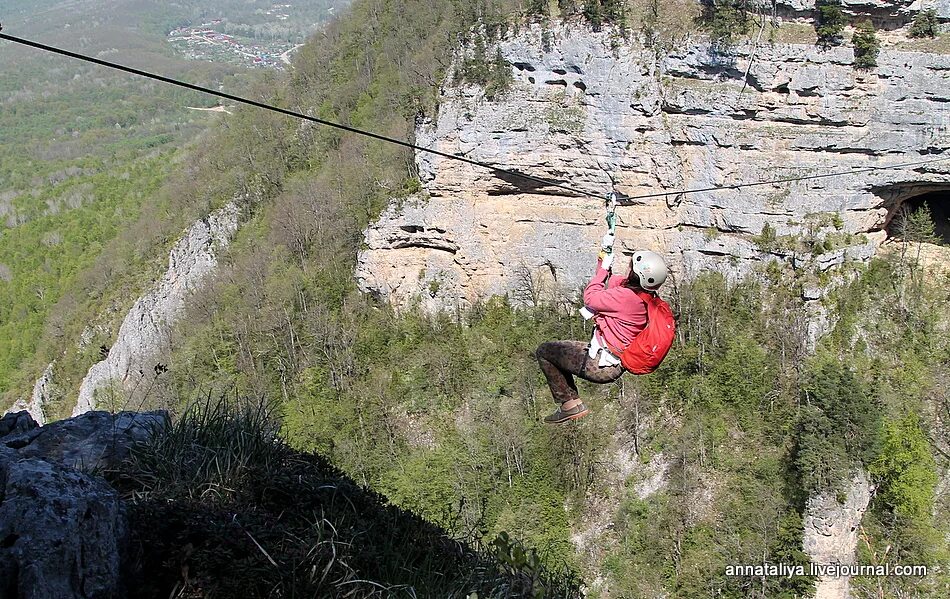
606 260
607 243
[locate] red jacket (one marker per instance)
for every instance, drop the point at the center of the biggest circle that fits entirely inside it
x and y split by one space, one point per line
620 314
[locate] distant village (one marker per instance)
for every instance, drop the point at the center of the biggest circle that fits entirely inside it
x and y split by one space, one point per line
208 42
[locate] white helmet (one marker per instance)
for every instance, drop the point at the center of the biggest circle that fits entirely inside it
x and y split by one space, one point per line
650 268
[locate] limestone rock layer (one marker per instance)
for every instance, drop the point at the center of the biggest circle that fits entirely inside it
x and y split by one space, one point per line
599 118
144 334
831 533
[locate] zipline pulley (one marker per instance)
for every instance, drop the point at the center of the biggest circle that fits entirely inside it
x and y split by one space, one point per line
612 203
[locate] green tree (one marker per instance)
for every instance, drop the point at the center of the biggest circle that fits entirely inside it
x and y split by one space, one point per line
594 13
601 12
538 7
725 20
839 426
925 24
568 8
829 22
615 11
866 45
914 228
493 74
787 549
767 240
820 458
905 469
917 226
500 76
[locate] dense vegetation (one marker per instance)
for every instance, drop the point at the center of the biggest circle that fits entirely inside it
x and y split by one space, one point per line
829 22
47 252
925 24
726 20
245 17
79 165
84 152
441 413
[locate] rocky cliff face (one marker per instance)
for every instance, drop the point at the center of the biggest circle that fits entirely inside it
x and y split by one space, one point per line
144 334
889 13
831 533
582 112
43 391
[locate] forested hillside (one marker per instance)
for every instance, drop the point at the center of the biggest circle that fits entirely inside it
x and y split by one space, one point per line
78 165
84 154
706 463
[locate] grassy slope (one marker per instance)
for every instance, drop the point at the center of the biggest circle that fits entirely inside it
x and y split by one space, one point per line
221 508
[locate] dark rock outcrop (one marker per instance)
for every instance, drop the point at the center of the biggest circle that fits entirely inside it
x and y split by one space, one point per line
63 530
90 442
16 422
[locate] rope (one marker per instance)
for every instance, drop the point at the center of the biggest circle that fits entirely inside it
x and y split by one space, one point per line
622 200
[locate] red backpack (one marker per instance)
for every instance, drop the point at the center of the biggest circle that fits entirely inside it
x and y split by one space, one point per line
647 350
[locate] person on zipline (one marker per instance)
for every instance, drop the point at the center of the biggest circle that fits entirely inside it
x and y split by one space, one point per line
619 314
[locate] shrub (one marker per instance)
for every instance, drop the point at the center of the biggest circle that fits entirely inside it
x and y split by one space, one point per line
598 12
767 240
866 46
915 225
500 76
725 20
925 24
905 469
493 74
839 427
568 8
594 13
537 7
829 22
820 460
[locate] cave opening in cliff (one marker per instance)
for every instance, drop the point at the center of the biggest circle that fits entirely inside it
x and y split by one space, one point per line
938 202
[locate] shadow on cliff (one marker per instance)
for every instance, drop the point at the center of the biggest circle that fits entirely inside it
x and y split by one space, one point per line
219 506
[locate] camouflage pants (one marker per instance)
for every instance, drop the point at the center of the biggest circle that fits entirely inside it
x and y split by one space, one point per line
561 361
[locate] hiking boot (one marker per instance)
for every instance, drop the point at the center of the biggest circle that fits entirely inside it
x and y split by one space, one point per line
578 411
